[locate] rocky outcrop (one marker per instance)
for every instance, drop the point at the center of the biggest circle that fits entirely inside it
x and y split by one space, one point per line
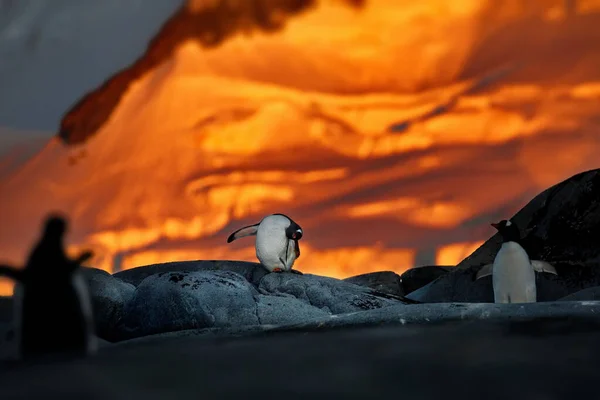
560 226
172 301
253 272
384 281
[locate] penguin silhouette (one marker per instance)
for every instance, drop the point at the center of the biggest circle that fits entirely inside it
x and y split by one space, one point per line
53 312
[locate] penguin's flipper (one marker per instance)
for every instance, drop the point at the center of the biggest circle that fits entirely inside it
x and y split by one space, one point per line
242 232
486 270
543 266
11 272
83 257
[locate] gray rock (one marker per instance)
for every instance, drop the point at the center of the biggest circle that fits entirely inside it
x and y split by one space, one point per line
279 310
447 312
385 282
416 278
589 294
109 296
561 224
253 272
331 295
171 301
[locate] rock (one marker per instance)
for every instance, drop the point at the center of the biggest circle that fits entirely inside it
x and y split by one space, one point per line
6 309
447 312
385 282
172 301
589 294
416 278
279 310
253 272
329 294
561 224
109 296
461 286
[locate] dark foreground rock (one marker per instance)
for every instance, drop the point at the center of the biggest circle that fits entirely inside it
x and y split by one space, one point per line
550 359
253 272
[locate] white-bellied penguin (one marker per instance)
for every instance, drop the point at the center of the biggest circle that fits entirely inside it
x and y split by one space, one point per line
513 276
277 237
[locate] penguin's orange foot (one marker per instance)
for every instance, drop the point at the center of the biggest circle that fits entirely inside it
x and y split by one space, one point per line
277 270
293 271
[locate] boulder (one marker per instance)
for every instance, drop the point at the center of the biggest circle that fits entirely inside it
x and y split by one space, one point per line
253 272
172 301
461 286
560 225
109 296
280 310
415 278
329 294
589 294
385 282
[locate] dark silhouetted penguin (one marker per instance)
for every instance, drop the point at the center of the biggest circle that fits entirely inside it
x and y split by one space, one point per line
277 237
53 311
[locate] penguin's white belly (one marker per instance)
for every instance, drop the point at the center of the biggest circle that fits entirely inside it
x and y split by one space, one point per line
513 276
274 251
85 302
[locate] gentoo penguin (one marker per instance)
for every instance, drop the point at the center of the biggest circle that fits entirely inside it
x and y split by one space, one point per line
277 237
513 277
53 310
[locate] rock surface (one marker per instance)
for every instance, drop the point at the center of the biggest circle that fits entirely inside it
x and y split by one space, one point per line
279 310
416 278
109 297
589 294
385 282
171 301
537 359
328 294
253 272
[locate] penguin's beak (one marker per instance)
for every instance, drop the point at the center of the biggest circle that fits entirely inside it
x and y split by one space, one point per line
495 225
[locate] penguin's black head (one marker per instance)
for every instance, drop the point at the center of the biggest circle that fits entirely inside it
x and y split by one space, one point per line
55 227
508 230
294 232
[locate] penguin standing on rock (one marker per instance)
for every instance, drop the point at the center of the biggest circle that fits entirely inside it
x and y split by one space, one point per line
277 237
53 311
513 276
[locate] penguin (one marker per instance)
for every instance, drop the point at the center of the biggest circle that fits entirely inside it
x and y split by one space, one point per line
277 237
513 276
51 287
